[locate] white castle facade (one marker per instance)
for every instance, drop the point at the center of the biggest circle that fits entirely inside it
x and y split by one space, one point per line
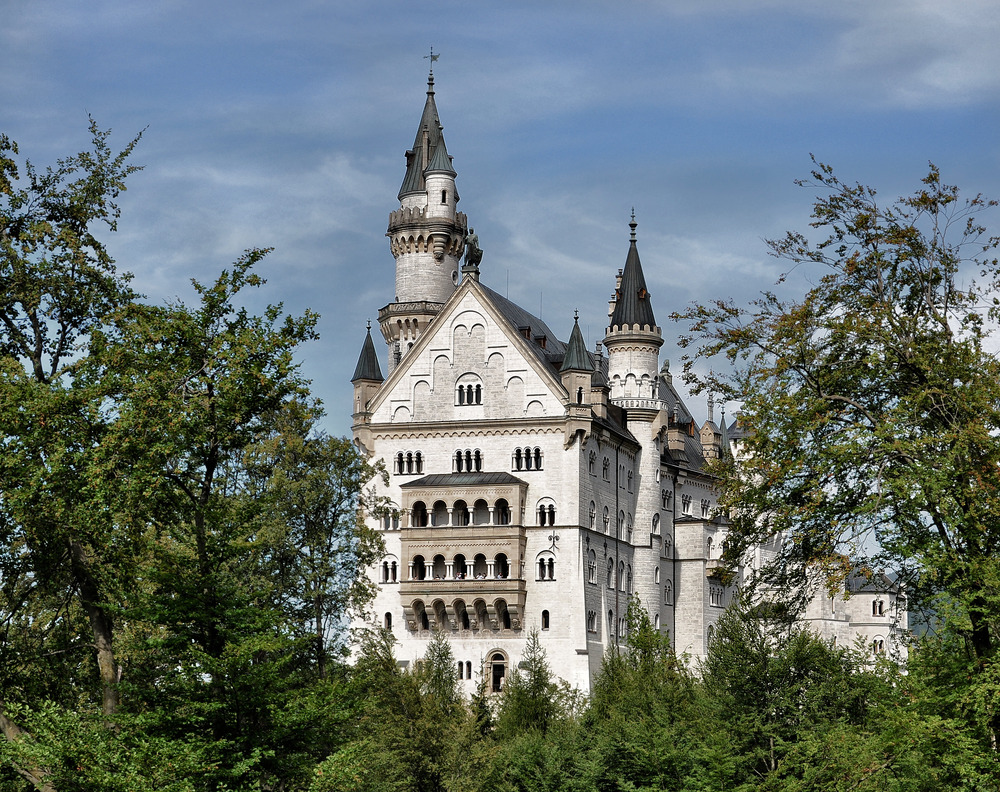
538 485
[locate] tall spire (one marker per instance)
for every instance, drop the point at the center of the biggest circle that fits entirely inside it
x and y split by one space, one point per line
429 149
577 358
368 367
632 305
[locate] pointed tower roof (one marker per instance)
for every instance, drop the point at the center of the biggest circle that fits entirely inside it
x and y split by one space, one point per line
429 150
577 357
632 305
368 368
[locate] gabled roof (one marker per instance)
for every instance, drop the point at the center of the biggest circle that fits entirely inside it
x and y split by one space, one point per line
632 304
577 357
555 350
368 367
428 133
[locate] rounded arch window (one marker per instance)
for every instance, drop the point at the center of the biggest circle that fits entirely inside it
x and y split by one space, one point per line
545 566
501 566
546 511
419 514
656 524
496 671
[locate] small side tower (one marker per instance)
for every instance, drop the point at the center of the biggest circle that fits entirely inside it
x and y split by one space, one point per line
633 339
367 380
426 236
576 373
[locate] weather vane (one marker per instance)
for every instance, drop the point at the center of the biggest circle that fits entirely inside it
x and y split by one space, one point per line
433 57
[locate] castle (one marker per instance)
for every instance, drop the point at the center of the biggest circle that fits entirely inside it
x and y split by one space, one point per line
537 485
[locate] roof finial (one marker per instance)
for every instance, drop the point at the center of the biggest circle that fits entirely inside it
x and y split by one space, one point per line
576 315
369 326
633 224
430 76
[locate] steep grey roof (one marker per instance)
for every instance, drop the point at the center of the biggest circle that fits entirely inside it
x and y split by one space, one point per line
440 161
430 128
555 350
463 480
368 368
870 582
577 357
632 305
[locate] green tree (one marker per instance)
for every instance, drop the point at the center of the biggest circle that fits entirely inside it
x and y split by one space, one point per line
871 405
66 551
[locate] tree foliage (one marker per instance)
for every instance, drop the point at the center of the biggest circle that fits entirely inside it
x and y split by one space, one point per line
871 404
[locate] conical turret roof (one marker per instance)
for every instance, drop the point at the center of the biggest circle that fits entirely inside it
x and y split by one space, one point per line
632 304
577 357
429 151
368 368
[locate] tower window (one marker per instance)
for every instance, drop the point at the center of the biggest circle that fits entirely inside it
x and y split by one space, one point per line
444 196
545 620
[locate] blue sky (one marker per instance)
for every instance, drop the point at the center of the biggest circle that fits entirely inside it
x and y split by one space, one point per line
284 125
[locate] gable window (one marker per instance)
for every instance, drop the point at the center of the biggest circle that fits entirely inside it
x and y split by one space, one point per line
469 392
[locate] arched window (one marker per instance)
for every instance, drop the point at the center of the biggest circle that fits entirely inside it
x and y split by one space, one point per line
461 670
460 513
387 621
708 548
501 512
592 567
409 462
628 527
419 515
593 515
551 564
607 469
479 394
878 647
468 669
545 620
385 572
459 462
611 573
418 568
591 621
418 460
440 515
710 635
538 458
630 481
501 567
517 461
497 672
579 395
458 567
400 462
468 460
477 460
621 525
392 572
611 625
621 575
656 575
656 621
628 579
668 593
592 463
656 524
